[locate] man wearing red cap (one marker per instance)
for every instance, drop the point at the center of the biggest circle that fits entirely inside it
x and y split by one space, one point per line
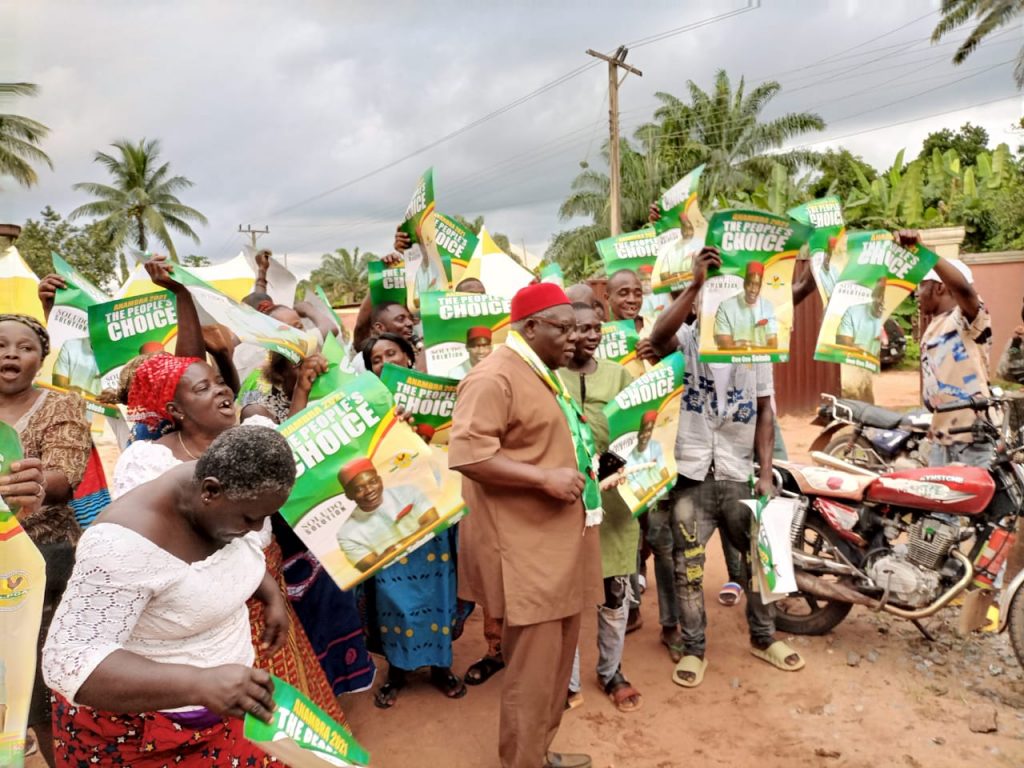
383 517
527 556
646 451
653 302
478 346
747 321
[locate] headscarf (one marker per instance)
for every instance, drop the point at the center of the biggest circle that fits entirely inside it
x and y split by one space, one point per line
153 388
33 325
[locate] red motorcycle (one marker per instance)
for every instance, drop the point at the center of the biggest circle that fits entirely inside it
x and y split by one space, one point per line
908 541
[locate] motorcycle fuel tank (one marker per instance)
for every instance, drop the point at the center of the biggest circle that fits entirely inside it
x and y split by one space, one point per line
955 490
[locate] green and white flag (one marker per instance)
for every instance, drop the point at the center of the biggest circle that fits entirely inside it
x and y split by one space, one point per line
877 275
825 216
618 344
746 311
368 489
461 329
424 269
643 421
124 328
681 231
430 400
302 735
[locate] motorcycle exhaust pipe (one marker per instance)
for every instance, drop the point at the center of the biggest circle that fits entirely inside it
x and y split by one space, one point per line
811 563
830 590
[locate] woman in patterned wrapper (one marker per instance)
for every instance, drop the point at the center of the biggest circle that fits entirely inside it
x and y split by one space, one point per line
150 654
411 612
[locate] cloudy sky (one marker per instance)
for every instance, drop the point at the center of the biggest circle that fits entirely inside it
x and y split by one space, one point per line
278 110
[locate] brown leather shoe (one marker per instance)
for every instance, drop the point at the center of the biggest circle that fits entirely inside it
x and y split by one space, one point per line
565 760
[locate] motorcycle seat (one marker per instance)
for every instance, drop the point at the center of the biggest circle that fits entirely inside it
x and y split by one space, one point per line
871 415
825 481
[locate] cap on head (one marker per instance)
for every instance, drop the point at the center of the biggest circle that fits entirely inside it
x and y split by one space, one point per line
536 298
755 268
645 269
649 418
478 332
425 431
353 469
962 268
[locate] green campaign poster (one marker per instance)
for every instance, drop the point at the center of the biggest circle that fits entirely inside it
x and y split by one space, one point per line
643 421
338 369
618 344
877 275
455 244
461 329
71 364
424 269
430 400
552 273
368 488
631 250
387 282
10 447
121 329
746 313
302 735
825 216
680 231
247 324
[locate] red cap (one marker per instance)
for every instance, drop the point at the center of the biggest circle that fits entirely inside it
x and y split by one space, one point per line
425 431
478 332
832 243
755 268
649 418
354 468
645 269
536 298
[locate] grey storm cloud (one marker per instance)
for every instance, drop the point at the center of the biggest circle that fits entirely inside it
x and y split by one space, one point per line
268 104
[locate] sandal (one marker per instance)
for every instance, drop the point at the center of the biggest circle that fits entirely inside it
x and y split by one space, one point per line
693 665
387 695
730 594
635 620
624 696
776 655
674 643
484 670
447 683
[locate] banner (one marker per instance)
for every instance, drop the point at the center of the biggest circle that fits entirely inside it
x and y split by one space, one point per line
500 274
461 329
245 322
643 421
631 250
368 488
618 344
746 310
424 270
826 218
429 399
681 231
456 244
18 286
302 735
121 329
22 584
877 275
387 282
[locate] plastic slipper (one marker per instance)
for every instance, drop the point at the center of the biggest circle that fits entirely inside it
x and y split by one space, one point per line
573 700
692 664
624 696
387 695
675 650
730 593
776 654
483 670
447 683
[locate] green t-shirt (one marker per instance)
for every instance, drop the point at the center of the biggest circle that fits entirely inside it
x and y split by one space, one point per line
620 531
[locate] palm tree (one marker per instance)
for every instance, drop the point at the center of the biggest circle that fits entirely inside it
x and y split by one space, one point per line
342 275
140 205
990 15
19 139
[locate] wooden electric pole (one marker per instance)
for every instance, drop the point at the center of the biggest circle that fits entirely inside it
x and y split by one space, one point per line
615 62
253 233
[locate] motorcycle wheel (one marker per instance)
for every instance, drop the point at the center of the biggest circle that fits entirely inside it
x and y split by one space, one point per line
1015 625
803 614
861 453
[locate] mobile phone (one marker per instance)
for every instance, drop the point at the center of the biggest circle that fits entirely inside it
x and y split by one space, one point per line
609 463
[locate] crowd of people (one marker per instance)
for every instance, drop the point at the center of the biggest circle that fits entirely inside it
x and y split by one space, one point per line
165 618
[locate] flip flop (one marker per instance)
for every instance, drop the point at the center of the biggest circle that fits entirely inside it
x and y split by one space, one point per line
692 664
447 683
730 593
483 670
675 650
624 696
776 654
387 695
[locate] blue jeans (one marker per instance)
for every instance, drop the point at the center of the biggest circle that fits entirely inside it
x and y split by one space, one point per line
971 454
699 508
659 536
612 617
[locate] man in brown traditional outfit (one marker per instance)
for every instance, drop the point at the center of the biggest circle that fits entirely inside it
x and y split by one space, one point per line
526 554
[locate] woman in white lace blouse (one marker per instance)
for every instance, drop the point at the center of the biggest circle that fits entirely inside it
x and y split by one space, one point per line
150 654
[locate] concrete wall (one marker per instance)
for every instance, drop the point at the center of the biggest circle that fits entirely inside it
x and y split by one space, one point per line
999 279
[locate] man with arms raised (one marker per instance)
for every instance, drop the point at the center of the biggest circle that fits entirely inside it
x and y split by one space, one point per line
526 455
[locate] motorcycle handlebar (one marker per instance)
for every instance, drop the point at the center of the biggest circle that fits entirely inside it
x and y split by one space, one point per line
975 403
960 430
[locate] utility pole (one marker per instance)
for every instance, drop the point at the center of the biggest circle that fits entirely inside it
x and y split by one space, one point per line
615 62
253 233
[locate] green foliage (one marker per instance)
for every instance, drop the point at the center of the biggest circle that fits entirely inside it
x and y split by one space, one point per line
990 16
88 248
343 275
20 138
192 260
140 204
776 195
893 200
840 169
967 142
